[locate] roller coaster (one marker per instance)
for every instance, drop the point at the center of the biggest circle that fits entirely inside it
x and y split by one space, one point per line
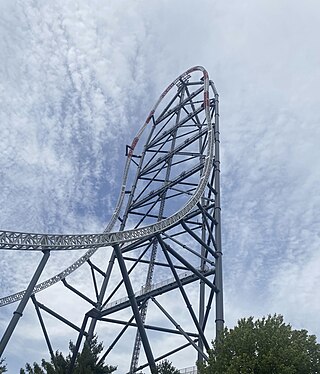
162 246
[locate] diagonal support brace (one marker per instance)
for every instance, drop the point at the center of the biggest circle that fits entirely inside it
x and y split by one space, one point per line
18 313
135 309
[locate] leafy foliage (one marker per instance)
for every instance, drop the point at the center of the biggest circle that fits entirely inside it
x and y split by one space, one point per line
166 367
3 368
266 346
87 362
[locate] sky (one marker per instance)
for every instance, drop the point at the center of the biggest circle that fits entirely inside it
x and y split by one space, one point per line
78 79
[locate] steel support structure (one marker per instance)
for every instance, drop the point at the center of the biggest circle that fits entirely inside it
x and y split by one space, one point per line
162 245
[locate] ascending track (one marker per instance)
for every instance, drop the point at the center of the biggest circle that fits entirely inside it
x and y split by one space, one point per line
170 183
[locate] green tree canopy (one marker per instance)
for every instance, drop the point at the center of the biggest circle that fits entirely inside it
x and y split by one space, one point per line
87 362
166 367
266 346
3 366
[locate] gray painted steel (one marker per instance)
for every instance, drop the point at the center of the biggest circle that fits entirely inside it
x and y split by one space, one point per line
18 313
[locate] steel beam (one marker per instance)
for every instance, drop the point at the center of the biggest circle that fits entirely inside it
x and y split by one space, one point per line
44 330
18 313
135 309
179 328
217 216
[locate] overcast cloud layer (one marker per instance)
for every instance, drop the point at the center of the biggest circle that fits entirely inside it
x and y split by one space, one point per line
77 80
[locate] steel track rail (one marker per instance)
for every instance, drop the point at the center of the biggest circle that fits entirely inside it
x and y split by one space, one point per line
12 240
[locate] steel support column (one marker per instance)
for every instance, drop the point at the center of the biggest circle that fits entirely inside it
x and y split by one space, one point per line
18 313
135 309
44 330
217 216
101 295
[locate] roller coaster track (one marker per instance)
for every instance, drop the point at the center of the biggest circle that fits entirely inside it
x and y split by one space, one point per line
195 189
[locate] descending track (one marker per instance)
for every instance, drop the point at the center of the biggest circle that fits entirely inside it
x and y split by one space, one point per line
169 196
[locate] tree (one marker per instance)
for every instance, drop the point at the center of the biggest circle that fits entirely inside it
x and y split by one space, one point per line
266 346
3 368
166 367
87 362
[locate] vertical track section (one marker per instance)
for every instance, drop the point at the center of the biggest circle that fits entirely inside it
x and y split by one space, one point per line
149 278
